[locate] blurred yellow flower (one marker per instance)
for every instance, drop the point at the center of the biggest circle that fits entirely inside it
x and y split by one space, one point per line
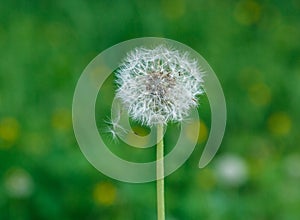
249 75
62 119
173 9
36 143
259 94
104 193
203 133
9 130
206 179
279 123
247 12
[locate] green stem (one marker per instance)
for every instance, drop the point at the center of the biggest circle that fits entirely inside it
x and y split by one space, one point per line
160 173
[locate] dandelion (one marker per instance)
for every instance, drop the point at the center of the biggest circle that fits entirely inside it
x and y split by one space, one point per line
18 183
231 170
157 86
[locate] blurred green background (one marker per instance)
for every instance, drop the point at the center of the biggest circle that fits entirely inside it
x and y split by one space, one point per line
254 48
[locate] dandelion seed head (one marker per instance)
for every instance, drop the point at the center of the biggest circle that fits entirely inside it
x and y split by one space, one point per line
159 85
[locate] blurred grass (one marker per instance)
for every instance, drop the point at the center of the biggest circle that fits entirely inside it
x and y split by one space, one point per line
254 48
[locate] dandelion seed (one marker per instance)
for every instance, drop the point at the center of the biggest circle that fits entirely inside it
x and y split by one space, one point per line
112 132
114 128
159 85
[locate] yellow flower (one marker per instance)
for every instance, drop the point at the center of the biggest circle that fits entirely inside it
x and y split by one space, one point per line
105 193
260 94
247 12
203 133
62 119
206 179
9 131
174 9
279 123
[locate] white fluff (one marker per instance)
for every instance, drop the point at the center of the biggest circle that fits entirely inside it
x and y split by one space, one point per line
159 85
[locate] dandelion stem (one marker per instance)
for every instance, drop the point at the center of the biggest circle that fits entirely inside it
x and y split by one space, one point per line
160 174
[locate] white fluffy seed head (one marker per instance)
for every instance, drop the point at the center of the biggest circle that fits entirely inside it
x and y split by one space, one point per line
159 85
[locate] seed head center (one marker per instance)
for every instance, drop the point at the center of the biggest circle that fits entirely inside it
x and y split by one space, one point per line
159 84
